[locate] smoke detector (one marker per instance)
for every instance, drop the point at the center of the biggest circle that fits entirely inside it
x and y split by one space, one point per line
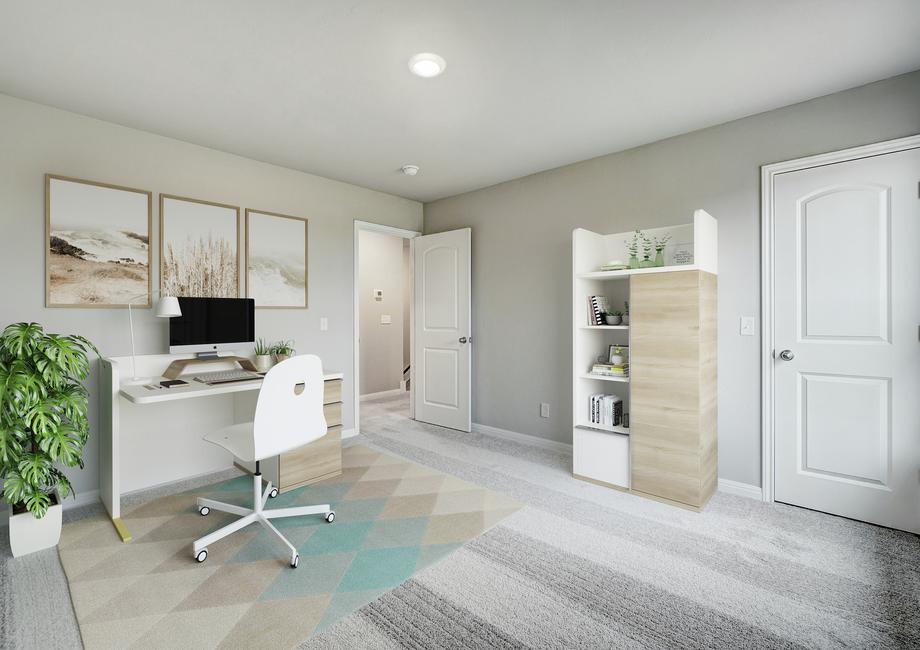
409 170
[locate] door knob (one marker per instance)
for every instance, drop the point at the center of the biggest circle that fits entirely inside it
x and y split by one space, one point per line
463 339
786 355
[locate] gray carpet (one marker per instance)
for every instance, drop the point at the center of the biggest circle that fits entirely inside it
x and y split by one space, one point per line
587 567
584 567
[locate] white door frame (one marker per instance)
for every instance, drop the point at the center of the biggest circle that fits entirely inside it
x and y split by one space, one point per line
356 373
768 174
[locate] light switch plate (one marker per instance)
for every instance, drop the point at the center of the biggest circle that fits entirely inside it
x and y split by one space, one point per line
747 326
386 319
544 410
323 324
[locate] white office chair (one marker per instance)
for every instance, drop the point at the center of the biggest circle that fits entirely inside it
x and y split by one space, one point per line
289 414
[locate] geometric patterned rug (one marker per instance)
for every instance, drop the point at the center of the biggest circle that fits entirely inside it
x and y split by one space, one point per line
393 519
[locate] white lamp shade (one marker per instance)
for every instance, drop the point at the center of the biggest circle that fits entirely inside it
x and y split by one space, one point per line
168 307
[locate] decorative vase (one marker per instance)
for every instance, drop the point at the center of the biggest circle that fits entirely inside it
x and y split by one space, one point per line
633 262
626 319
263 362
281 357
28 534
646 263
612 319
659 258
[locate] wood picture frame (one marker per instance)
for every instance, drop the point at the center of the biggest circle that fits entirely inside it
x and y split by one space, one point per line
227 285
279 269
114 247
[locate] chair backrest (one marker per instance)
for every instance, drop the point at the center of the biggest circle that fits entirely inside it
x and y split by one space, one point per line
289 412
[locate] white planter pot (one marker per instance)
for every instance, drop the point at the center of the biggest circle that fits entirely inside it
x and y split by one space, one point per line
28 534
263 362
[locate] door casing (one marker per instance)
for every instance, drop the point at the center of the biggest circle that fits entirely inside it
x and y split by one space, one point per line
768 174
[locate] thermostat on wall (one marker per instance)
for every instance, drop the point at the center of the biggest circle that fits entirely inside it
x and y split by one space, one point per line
378 294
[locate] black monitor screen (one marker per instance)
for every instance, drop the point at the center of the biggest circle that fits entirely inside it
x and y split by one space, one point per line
210 321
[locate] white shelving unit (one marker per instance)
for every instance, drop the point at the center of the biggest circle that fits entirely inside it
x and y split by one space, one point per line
601 454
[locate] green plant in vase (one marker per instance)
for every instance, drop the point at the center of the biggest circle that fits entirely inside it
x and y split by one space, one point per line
43 427
659 249
646 253
263 354
633 248
283 350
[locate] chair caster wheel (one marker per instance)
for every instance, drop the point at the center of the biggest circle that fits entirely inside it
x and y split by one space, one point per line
273 493
295 561
204 511
202 555
330 517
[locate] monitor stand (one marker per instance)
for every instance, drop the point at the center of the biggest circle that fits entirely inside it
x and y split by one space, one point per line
177 367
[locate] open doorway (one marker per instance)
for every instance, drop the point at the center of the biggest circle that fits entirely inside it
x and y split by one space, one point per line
383 316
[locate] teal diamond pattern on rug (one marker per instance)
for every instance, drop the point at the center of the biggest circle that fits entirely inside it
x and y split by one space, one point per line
393 519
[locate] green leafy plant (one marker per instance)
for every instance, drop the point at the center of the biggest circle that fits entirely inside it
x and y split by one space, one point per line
43 406
626 308
284 348
262 347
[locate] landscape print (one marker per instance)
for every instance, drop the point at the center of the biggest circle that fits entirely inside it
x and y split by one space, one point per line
199 248
98 250
277 260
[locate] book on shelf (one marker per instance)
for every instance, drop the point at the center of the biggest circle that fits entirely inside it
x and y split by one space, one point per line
610 370
605 409
597 307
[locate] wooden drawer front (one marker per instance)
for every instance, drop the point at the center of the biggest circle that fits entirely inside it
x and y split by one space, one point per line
333 413
309 463
332 391
667 473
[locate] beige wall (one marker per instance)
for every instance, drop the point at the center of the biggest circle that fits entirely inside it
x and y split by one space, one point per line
522 251
381 266
35 139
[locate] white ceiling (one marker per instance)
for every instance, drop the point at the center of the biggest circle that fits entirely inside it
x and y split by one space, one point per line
323 86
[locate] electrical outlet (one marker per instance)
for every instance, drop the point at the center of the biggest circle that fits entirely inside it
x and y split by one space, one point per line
544 410
323 324
747 326
386 319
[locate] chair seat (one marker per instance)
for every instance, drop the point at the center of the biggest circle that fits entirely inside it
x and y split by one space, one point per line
237 439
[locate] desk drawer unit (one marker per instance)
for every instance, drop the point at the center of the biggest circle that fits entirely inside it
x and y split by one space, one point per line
322 458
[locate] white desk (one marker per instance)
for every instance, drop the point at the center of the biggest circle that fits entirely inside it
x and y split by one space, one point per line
154 437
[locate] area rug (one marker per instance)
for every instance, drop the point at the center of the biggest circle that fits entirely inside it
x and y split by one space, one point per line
393 519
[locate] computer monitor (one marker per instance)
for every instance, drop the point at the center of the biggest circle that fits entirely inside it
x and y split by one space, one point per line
208 325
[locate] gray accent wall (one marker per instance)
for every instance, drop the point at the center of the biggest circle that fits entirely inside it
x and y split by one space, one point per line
522 246
37 139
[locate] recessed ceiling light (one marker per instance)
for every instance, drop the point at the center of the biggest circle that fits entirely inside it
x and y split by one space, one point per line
409 170
427 65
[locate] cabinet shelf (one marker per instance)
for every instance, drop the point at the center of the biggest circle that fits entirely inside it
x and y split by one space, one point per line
625 273
623 431
604 327
591 375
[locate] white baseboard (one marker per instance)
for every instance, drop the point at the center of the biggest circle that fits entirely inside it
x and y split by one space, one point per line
348 433
384 393
740 489
80 499
524 438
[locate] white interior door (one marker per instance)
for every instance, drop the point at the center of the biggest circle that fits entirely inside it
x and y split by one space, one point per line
442 358
846 313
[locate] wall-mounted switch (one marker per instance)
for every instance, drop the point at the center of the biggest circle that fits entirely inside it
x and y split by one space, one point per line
323 324
386 319
747 326
544 410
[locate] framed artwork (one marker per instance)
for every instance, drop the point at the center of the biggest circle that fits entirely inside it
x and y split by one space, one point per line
199 248
97 244
276 260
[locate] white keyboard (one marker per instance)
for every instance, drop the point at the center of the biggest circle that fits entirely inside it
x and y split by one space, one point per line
226 376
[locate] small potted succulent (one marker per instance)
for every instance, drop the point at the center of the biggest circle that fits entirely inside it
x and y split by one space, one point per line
43 427
613 318
626 313
263 352
282 350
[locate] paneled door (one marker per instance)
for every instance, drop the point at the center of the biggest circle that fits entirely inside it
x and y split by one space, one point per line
442 358
847 355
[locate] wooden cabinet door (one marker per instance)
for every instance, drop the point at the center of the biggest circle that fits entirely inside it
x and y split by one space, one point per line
666 387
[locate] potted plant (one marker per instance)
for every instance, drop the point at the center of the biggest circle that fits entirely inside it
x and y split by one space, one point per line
263 352
43 426
626 313
283 350
614 318
646 253
659 249
633 247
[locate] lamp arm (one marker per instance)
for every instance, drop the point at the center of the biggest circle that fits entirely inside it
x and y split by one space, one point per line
131 326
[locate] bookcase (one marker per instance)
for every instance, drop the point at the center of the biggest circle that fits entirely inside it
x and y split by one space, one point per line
669 450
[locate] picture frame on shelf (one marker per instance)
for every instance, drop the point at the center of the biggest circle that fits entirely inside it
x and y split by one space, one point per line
618 354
